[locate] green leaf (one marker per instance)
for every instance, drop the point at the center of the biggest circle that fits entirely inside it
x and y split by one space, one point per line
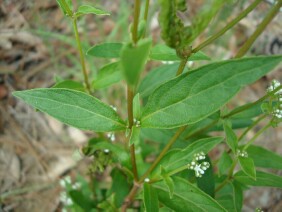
186 197
206 183
137 107
231 197
74 108
197 94
168 181
156 77
120 187
105 50
70 84
133 60
108 75
224 163
165 53
151 201
262 179
88 9
177 158
79 199
135 135
231 137
66 8
265 158
248 166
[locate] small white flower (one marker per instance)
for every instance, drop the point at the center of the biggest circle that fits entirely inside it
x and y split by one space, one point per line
274 84
147 180
111 136
278 113
106 151
115 109
242 154
199 168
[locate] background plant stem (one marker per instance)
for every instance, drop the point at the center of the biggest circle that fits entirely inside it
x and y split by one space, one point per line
227 27
82 60
261 27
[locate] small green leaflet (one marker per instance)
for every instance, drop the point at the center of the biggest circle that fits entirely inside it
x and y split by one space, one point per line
262 179
107 76
197 94
248 166
134 136
136 107
265 158
151 201
186 197
231 138
133 60
70 84
66 8
168 181
105 50
74 108
165 53
224 163
88 9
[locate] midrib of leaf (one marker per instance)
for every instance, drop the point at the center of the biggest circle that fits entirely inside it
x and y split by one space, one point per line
245 71
78 108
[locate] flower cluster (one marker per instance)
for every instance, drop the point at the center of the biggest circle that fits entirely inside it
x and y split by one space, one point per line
199 168
137 123
274 106
242 153
111 136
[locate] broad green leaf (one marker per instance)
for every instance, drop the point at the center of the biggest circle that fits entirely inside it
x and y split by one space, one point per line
262 179
231 197
105 50
231 138
186 197
248 166
108 75
156 77
120 186
135 135
195 95
265 158
74 108
70 84
133 60
206 183
88 9
224 163
151 201
177 158
165 53
137 107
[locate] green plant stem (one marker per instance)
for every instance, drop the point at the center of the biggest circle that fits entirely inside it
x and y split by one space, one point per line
137 7
261 27
227 27
229 176
181 67
146 10
165 149
82 60
257 135
251 127
175 171
245 107
230 173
